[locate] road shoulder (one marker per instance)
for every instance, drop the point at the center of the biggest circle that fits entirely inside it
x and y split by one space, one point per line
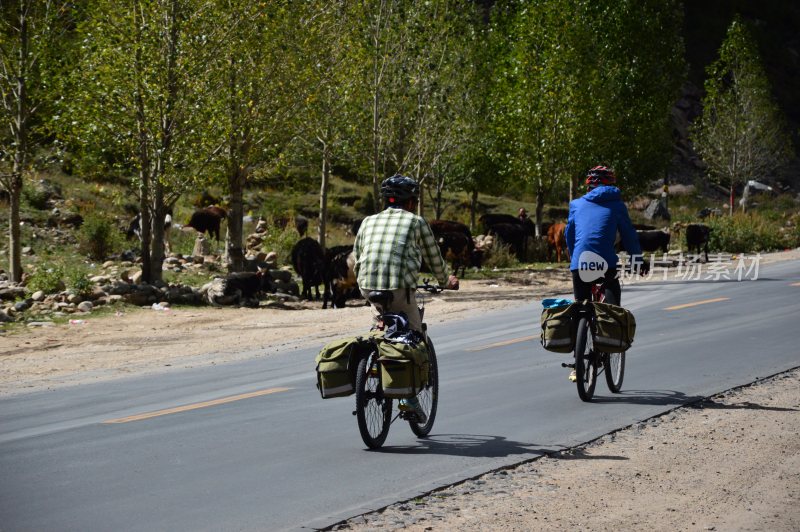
666 473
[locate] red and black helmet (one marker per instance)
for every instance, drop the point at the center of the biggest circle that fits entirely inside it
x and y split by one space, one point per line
600 175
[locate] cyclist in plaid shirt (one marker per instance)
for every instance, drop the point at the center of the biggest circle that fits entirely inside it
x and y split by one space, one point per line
391 246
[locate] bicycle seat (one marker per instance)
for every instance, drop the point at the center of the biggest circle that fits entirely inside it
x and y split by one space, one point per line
380 298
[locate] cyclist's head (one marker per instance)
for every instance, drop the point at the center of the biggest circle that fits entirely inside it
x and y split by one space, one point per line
600 175
399 189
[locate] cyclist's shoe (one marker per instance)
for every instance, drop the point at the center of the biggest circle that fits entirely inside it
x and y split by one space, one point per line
573 376
412 405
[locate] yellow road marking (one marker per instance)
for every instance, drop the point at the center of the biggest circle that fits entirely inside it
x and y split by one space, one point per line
696 303
504 342
195 406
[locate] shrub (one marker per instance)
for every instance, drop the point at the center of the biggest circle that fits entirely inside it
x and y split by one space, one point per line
36 197
537 250
48 278
98 237
501 256
280 240
78 281
746 233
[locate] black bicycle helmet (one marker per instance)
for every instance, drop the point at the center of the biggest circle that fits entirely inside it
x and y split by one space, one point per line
600 175
399 189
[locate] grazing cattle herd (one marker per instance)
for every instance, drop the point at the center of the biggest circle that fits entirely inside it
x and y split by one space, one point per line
334 267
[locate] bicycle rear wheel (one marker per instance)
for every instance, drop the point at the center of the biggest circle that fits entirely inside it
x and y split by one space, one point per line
585 361
373 410
615 371
429 396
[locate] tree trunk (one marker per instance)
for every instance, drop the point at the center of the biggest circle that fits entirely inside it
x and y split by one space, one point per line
539 211
15 258
233 240
323 196
146 224
237 175
473 206
730 202
19 128
157 241
573 187
376 189
439 186
421 203
143 155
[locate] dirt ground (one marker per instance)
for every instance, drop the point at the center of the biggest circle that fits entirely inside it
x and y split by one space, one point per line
731 463
144 341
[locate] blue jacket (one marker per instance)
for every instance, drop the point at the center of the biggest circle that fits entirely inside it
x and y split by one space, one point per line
593 222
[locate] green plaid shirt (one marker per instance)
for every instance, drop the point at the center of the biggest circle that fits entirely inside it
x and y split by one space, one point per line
390 247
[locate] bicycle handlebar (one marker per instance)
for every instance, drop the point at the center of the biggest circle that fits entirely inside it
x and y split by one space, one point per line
433 289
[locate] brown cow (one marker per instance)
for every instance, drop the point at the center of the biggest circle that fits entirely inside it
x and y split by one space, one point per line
556 240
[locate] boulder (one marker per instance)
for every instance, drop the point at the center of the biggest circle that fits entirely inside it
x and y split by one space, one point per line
657 209
12 293
85 306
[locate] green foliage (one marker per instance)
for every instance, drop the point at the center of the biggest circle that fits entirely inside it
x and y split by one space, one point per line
537 250
741 134
605 75
365 205
98 237
48 277
280 240
35 197
500 257
77 280
748 233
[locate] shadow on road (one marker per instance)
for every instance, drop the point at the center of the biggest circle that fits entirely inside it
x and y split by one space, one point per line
482 446
711 404
649 397
672 397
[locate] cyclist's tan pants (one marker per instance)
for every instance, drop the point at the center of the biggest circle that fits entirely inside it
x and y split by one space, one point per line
405 301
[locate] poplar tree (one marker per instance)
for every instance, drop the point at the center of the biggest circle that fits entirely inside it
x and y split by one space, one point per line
741 134
28 31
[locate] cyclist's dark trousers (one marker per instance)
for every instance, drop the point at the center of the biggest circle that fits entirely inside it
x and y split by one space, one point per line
583 290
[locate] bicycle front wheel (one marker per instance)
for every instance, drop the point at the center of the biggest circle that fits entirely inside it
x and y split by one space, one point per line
373 410
429 396
615 371
585 361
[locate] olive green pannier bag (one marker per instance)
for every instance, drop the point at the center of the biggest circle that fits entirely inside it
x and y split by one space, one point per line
404 368
559 328
614 328
336 366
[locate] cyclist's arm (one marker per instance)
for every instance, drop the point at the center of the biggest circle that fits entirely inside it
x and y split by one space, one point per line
569 232
357 251
626 230
431 253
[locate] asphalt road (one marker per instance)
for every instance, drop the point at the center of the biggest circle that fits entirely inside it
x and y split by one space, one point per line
251 446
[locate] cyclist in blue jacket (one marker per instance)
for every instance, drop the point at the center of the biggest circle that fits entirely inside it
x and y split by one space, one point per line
592 227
